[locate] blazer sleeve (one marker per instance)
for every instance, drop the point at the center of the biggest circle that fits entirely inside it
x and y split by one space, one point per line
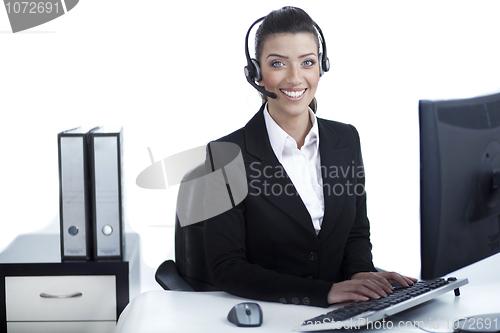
230 271
358 255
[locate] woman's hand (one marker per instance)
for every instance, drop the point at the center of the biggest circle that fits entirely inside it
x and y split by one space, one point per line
365 285
386 278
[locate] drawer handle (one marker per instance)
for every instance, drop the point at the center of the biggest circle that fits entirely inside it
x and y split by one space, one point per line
44 295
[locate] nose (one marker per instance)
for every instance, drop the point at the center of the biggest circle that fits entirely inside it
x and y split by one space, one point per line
294 76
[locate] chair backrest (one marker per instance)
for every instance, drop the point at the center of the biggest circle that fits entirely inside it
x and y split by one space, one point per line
190 244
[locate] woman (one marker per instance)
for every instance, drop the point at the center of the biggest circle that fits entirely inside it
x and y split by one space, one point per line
301 235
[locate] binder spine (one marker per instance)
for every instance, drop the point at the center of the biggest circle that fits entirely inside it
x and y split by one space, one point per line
74 200
106 183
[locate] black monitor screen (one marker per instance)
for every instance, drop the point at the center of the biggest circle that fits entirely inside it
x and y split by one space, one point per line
459 183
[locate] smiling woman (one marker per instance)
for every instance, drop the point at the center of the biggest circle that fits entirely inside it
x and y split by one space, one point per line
279 25
290 73
293 239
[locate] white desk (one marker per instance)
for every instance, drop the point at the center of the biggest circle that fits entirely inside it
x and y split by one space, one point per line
173 311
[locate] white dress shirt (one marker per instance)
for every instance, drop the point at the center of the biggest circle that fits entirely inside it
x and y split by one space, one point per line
303 165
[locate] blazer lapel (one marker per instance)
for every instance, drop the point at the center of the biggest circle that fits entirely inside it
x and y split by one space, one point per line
267 177
336 167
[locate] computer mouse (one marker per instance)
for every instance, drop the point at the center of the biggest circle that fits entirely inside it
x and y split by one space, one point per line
246 314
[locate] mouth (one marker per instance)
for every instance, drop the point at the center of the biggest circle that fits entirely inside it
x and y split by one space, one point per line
293 94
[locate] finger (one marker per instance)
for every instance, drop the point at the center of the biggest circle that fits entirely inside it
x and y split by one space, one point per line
411 281
408 280
342 292
354 297
412 278
359 292
363 288
371 289
385 285
382 281
393 276
401 279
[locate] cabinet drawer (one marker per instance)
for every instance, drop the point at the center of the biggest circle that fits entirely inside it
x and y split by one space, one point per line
94 298
62 327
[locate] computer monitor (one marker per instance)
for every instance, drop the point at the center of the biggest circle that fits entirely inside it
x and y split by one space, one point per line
459 183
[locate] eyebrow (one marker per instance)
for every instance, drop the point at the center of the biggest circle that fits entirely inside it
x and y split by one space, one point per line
276 55
281 56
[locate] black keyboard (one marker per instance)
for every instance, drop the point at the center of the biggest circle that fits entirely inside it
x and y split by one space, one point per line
358 313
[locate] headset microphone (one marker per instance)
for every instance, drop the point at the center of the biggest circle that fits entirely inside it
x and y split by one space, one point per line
259 88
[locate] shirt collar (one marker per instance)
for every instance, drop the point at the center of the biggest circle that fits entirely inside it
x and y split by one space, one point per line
278 137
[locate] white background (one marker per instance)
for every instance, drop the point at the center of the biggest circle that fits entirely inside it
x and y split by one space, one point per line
171 72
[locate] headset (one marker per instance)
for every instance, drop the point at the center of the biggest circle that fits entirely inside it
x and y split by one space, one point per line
252 69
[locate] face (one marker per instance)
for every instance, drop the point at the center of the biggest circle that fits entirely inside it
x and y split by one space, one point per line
290 69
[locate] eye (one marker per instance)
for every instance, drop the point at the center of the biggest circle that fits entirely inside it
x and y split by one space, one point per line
277 64
309 63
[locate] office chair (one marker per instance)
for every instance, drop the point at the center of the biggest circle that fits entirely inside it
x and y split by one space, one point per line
189 272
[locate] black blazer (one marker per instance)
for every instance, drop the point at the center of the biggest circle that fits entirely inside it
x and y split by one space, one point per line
266 248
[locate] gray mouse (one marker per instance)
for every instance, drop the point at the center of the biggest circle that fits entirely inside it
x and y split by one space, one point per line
246 314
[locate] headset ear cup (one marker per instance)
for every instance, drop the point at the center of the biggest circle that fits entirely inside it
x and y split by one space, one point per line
326 64
257 77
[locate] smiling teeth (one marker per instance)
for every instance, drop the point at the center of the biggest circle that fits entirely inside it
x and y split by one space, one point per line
293 94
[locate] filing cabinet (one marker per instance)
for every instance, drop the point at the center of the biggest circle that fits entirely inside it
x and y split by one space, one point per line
62 296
